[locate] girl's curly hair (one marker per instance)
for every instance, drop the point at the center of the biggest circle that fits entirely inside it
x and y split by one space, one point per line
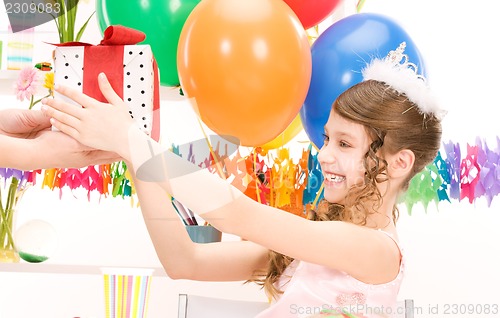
393 123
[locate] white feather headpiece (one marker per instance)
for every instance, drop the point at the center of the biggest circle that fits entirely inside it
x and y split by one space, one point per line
396 71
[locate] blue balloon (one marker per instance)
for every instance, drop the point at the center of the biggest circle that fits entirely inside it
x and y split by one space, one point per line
338 56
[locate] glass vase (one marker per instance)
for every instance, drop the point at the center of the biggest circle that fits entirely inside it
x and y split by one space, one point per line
10 194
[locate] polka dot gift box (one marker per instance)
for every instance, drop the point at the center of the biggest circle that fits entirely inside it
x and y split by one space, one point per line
130 68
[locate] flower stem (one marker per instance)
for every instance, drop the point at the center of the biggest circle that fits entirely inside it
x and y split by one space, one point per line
3 223
33 103
7 216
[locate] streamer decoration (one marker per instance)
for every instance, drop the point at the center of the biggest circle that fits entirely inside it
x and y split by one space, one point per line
273 177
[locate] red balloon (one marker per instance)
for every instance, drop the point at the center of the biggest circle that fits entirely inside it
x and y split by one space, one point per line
312 12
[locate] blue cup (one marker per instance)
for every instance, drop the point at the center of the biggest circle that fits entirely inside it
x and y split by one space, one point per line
203 233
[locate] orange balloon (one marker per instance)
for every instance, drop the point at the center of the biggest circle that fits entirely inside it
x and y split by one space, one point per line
290 132
246 67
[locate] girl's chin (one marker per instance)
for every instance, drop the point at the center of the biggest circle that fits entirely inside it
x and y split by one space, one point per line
334 187
334 196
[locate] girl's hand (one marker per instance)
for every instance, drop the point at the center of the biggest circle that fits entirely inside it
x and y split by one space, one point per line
98 125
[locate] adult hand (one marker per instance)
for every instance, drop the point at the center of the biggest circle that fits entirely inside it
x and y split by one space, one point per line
58 150
22 123
33 145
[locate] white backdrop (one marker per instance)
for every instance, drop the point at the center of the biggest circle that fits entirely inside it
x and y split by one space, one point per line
450 250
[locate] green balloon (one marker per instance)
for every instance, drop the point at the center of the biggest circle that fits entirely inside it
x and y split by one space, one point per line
160 20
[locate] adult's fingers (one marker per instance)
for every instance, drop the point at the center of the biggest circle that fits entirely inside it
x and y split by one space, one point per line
34 119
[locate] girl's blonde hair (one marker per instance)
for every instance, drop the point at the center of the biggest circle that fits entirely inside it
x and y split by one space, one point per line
393 124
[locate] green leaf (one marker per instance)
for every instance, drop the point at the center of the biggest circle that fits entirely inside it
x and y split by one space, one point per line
82 29
61 22
71 17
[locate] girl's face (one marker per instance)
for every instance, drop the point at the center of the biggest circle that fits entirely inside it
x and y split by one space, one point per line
341 157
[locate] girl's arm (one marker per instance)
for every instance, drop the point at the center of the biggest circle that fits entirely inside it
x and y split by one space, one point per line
366 254
183 259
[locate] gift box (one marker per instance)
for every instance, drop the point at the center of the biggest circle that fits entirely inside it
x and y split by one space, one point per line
130 68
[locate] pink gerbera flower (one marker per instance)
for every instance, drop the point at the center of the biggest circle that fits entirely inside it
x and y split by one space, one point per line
26 84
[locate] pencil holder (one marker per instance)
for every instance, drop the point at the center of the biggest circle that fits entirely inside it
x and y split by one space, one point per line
204 233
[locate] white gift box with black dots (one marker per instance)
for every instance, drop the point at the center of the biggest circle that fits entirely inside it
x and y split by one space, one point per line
138 78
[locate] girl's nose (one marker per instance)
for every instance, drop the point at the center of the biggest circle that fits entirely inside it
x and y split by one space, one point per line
325 154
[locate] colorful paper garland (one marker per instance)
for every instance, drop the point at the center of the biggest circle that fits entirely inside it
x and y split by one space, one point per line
272 177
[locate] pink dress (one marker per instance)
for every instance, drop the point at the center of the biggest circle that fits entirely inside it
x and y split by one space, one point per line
310 289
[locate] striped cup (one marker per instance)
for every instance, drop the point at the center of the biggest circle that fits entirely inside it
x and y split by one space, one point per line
126 291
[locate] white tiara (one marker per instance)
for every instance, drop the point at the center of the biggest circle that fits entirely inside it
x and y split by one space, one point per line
396 71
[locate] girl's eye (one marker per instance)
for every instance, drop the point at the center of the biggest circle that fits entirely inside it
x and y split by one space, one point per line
343 144
325 138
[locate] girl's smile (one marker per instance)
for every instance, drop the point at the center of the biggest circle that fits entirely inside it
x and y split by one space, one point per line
332 179
341 157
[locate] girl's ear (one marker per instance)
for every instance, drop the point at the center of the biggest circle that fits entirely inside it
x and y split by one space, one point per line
401 164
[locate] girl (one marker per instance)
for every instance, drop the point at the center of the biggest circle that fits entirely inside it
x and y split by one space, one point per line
378 136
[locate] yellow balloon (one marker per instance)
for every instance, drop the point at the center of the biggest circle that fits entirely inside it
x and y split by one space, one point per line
288 134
